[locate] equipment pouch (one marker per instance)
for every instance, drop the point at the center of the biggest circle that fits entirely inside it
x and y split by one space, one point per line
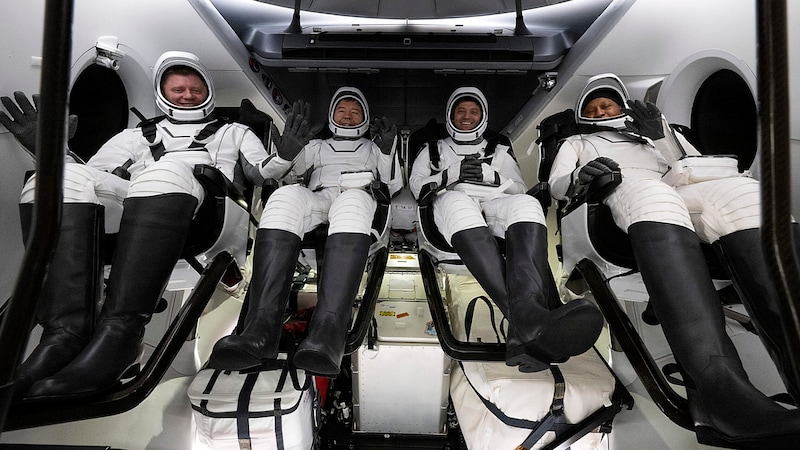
696 169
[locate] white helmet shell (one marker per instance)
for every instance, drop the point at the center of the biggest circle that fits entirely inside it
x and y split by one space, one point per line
348 132
605 81
180 113
480 128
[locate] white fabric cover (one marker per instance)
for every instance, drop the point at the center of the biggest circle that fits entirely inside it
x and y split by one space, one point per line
297 413
695 169
589 383
527 396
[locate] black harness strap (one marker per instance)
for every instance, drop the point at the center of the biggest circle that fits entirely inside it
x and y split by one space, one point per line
211 382
243 409
468 316
150 132
555 417
435 156
210 129
276 406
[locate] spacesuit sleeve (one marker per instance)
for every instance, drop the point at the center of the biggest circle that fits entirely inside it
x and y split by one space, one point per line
507 168
421 173
673 146
116 151
564 167
251 155
389 169
274 167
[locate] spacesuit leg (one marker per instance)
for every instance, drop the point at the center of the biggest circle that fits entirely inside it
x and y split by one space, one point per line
645 199
72 288
346 251
461 222
730 209
151 236
274 261
541 325
727 410
743 255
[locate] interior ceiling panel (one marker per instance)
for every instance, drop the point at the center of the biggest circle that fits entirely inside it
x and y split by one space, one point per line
412 9
409 87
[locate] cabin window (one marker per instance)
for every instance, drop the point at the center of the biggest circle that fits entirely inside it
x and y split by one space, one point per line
724 118
99 100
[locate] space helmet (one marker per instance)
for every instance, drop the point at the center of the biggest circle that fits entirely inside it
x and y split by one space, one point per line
604 85
473 94
348 132
172 59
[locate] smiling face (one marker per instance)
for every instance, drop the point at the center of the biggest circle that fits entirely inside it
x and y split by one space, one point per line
184 90
601 108
348 113
466 115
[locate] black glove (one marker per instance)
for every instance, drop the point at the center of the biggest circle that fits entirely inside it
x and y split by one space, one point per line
383 134
296 133
596 168
23 124
646 120
470 169
25 118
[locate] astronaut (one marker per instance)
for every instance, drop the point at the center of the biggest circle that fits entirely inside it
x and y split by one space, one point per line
150 213
541 329
666 225
338 172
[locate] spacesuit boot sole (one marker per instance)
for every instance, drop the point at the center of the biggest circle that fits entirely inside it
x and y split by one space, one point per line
525 363
570 330
233 358
316 363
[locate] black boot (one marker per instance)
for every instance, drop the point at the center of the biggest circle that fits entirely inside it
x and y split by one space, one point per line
543 325
70 291
151 236
727 410
275 259
742 254
342 268
545 334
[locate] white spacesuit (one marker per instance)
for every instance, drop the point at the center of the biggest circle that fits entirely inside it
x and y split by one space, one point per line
541 329
713 208
151 214
664 223
337 173
455 210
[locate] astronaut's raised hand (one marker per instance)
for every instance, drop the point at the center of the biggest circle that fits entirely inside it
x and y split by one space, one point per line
383 133
296 133
22 123
646 119
24 119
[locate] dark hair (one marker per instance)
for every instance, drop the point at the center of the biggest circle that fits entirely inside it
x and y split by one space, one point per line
466 98
181 70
